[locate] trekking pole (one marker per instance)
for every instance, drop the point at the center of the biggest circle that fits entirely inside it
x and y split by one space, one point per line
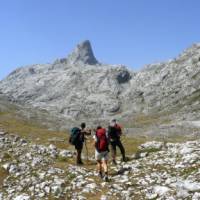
86 149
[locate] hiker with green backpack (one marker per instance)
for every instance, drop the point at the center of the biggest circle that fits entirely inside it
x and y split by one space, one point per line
77 139
101 142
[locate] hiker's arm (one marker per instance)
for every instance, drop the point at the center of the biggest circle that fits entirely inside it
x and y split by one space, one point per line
94 141
86 132
108 131
119 129
108 137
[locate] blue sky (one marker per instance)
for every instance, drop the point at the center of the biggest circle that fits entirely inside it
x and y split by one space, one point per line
130 32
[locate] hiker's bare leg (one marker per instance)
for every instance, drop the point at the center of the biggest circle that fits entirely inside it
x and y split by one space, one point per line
99 167
105 166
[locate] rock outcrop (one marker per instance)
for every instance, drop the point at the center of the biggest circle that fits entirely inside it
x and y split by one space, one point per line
79 87
82 55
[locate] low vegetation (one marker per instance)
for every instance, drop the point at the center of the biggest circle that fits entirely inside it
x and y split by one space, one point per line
35 133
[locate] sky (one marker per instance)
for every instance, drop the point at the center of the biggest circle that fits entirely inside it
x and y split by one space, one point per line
129 32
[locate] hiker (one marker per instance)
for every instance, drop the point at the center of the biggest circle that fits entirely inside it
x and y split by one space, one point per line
77 139
101 143
114 133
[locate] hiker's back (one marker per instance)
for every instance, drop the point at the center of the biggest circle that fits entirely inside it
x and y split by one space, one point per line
118 129
101 140
113 133
101 152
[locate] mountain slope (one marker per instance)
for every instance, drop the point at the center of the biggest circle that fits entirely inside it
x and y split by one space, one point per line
70 87
80 87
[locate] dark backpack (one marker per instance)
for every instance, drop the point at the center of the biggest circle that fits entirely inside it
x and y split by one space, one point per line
102 140
75 134
112 132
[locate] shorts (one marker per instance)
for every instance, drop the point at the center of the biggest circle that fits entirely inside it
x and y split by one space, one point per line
101 155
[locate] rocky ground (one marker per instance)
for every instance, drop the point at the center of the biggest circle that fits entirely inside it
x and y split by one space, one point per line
157 171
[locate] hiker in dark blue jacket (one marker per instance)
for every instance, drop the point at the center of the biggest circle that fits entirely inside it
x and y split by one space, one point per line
80 142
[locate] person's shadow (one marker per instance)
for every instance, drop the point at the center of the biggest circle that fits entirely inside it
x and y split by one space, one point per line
121 171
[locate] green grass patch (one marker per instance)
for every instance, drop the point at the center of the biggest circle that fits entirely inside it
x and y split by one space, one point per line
6 156
3 175
131 144
32 131
71 176
62 159
144 120
188 171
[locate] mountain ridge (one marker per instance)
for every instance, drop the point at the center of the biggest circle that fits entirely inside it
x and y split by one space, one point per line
79 87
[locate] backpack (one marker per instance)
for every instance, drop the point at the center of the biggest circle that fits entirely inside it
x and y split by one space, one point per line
102 140
113 133
74 137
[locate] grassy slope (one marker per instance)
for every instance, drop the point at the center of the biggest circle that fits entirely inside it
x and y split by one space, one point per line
36 133
40 135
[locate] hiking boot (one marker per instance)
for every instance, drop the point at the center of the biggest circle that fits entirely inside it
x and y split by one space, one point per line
79 163
124 159
106 178
100 175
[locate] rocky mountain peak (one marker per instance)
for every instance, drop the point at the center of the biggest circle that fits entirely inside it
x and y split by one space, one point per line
99 91
82 54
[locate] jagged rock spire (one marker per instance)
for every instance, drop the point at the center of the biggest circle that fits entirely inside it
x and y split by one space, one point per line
82 54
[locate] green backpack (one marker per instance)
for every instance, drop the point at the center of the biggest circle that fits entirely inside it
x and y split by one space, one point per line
75 134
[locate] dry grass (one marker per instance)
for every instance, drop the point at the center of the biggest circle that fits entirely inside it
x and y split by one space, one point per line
32 131
143 120
41 135
3 175
131 144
